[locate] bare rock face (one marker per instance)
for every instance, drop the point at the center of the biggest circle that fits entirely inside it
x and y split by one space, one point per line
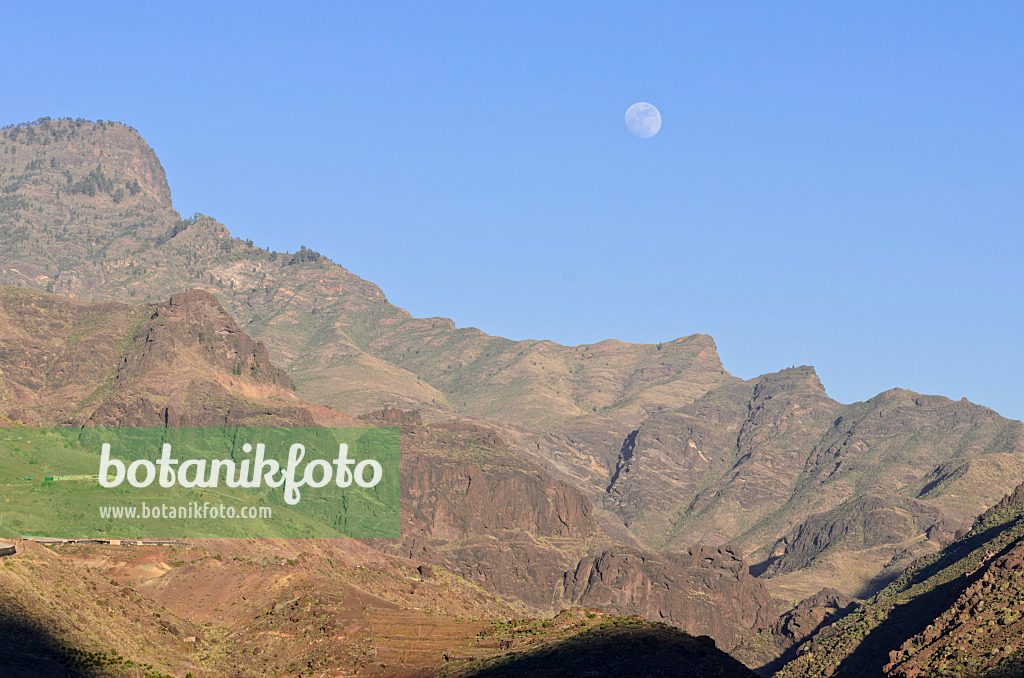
393 416
827 598
866 522
96 161
503 496
704 590
705 472
183 365
183 362
801 482
54 353
472 506
779 643
196 317
1011 500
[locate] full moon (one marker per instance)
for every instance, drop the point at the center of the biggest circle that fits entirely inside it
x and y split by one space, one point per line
643 120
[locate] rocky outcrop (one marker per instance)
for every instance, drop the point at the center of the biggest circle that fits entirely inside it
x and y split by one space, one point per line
704 590
473 506
707 471
776 467
189 364
862 523
1011 501
772 647
183 362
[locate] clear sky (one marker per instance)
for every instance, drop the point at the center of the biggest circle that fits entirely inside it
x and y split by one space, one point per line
835 186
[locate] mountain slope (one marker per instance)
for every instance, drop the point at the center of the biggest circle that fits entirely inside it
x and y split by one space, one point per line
659 438
802 482
469 503
69 226
181 362
958 612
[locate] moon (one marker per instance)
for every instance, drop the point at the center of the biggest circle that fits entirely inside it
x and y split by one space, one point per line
643 120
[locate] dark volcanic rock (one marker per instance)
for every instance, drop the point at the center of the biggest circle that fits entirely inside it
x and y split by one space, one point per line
472 506
705 590
862 523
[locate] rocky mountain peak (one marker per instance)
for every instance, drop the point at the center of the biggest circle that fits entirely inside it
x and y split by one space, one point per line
800 381
196 317
103 159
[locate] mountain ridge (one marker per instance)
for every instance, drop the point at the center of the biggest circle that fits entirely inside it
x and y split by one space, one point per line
469 504
672 451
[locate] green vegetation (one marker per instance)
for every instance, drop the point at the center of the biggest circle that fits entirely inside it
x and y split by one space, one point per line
305 256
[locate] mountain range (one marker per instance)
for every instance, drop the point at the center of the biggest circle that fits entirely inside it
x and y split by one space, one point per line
640 479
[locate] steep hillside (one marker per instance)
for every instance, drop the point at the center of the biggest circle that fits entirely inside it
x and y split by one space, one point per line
181 362
293 607
773 647
469 503
959 612
69 225
801 482
473 506
52 613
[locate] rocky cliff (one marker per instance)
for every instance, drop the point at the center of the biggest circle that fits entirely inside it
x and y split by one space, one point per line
704 590
802 482
473 506
183 362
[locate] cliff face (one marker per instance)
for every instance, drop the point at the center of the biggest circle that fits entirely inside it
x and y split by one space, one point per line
773 647
867 522
180 363
709 470
188 364
473 506
704 590
55 352
808 485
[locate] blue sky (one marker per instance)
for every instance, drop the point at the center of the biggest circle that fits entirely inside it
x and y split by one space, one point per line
835 186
